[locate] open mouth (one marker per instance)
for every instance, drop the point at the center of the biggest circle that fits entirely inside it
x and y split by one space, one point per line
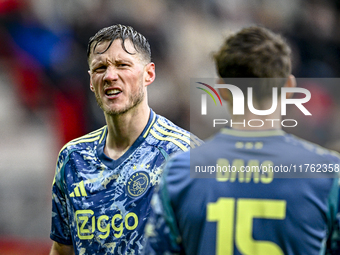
112 92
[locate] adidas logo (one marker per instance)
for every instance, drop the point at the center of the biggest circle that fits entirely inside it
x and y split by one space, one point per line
79 190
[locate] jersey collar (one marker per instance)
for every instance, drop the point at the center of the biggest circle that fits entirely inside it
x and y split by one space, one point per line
111 163
246 133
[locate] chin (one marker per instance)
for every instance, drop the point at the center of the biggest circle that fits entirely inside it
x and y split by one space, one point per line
116 111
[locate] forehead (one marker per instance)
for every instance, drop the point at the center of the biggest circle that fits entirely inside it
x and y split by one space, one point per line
114 51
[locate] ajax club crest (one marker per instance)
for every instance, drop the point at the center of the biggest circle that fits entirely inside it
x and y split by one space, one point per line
137 184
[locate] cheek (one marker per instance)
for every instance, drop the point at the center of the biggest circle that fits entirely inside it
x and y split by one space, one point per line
96 80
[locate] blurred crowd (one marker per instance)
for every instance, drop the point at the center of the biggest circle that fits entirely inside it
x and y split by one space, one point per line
43 53
44 50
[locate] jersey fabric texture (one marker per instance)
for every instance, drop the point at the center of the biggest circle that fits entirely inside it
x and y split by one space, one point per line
100 205
246 212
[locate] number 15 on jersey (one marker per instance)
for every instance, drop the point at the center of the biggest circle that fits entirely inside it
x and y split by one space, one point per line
223 212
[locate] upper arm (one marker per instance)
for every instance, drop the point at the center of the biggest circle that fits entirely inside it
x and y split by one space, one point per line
60 228
333 242
61 249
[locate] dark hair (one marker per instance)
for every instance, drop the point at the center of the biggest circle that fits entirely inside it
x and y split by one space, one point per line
255 52
122 32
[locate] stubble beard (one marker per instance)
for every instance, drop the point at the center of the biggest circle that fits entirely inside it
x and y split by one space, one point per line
134 101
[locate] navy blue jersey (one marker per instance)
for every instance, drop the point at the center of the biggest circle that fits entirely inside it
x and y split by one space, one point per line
244 200
100 205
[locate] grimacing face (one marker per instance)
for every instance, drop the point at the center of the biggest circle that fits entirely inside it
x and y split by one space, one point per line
117 78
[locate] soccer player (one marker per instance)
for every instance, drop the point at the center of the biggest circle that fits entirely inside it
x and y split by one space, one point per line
254 212
104 180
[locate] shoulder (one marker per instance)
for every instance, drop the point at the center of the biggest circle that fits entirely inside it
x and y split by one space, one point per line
304 147
165 134
90 139
85 142
179 160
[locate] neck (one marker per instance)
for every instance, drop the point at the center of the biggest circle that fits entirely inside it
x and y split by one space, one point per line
124 129
256 123
252 122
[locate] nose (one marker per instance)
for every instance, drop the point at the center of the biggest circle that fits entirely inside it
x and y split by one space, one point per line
110 74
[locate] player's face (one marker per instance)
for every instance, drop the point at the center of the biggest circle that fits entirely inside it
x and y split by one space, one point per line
118 78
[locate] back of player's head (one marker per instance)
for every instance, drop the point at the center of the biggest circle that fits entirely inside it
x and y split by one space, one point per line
122 32
254 52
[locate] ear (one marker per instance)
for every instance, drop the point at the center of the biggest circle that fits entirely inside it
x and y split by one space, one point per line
150 74
225 93
290 83
91 86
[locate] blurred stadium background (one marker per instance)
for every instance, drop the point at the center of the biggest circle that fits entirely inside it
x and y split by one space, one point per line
45 99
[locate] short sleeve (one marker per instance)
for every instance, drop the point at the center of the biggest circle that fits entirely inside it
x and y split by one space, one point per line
60 228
